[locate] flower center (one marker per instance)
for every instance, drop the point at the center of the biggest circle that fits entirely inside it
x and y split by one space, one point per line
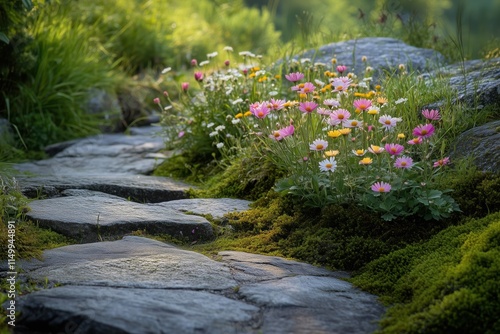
387 122
381 189
319 146
260 113
424 132
354 123
341 116
328 166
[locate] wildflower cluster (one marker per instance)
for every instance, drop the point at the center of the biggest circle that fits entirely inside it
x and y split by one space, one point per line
338 136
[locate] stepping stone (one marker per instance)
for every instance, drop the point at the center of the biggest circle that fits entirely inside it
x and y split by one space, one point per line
139 188
138 285
91 218
215 207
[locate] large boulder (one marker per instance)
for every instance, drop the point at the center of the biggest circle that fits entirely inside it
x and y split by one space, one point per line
383 54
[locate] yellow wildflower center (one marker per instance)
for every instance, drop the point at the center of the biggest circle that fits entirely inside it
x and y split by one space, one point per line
378 87
372 111
331 153
319 146
359 152
365 161
334 133
303 95
401 136
376 149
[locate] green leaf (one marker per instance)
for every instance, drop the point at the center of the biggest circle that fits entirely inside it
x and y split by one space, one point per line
4 38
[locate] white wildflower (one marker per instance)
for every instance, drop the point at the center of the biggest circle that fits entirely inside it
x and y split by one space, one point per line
401 100
220 128
212 55
237 101
205 62
228 49
209 125
165 70
220 145
213 134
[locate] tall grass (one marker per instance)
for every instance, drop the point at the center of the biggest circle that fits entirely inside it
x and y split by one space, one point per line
49 107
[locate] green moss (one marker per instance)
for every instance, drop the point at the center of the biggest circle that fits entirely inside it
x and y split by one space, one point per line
448 284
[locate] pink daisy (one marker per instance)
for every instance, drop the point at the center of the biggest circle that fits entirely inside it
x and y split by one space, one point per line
340 85
424 131
297 76
394 149
323 111
381 187
403 162
307 88
442 162
352 123
338 116
415 141
307 107
341 69
259 110
362 104
276 104
432 114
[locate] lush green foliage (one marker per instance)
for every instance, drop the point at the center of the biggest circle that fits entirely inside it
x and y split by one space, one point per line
447 284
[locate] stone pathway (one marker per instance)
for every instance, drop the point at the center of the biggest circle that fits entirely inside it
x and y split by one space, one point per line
98 189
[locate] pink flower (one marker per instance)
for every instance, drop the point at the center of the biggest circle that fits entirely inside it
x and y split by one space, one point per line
194 62
424 131
362 104
394 149
341 69
432 114
340 85
331 103
415 141
307 88
318 145
338 116
165 93
181 134
442 162
403 162
198 76
156 100
185 86
227 62
323 111
282 133
276 104
307 107
294 76
381 187
388 122
259 110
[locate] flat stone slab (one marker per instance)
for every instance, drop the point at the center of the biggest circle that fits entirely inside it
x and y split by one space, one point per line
137 153
138 285
90 218
139 188
215 207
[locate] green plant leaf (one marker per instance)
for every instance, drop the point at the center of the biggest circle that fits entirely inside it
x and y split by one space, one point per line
4 38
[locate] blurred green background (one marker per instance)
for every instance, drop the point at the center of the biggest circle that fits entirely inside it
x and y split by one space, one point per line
55 53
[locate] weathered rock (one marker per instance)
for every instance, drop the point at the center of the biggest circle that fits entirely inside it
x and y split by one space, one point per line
105 105
476 83
483 144
384 55
215 207
108 153
137 285
139 188
133 262
89 218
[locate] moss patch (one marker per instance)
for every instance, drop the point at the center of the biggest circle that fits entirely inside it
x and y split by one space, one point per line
448 284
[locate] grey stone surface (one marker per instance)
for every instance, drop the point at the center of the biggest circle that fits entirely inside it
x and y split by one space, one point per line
105 105
138 285
140 188
216 207
107 153
482 143
89 218
133 262
475 82
384 55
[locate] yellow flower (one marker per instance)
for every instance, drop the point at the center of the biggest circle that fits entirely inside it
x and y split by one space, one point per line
334 60
364 59
378 87
264 78
382 100
373 111
359 153
357 94
277 76
365 161
255 68
334 133
401 136
303 95
370 94
290 103
350 75
375 149
331 153
345 131
252 75
240 115
248 113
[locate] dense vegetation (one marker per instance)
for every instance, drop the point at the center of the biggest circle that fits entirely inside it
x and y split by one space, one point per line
435 266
